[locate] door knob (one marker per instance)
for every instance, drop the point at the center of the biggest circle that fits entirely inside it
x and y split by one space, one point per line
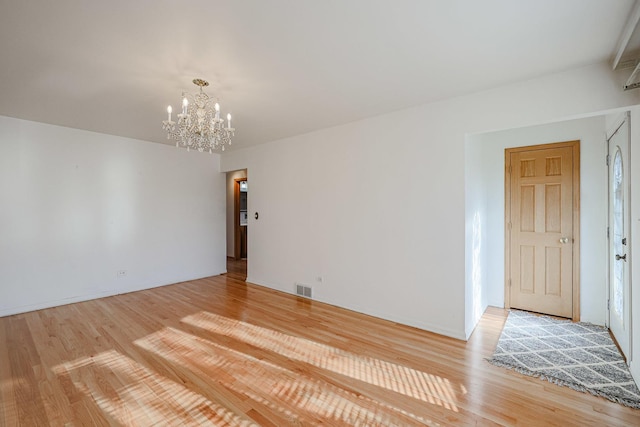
623 257
564 240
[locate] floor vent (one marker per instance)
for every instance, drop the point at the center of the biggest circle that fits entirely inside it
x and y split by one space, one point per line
303 291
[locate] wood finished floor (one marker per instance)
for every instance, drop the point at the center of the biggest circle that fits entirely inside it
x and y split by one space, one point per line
217 351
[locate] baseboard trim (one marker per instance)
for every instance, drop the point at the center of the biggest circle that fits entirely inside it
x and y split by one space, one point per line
436 329
10 311
53 303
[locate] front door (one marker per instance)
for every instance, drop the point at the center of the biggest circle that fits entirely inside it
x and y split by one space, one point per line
618 302
542 215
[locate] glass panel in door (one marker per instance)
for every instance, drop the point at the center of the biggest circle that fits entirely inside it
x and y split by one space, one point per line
617 285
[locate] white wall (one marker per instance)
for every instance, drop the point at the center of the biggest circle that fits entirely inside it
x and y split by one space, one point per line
231 183
485 177
477 254
76 207
377 207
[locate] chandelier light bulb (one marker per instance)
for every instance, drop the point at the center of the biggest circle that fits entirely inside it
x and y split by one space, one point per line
169 110
229 120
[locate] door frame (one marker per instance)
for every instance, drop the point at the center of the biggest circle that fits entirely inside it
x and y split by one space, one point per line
575 145
236 220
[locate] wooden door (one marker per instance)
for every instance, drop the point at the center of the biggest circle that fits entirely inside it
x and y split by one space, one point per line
542 216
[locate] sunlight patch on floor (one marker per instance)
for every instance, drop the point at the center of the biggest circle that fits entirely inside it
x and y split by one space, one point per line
298 397
401 379
134 395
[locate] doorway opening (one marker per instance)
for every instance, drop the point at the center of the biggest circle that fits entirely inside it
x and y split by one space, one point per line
237 224
241 193
486 275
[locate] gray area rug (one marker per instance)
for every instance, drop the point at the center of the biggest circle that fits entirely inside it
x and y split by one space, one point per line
577 355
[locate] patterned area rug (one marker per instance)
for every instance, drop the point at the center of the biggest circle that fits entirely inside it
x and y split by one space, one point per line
577 355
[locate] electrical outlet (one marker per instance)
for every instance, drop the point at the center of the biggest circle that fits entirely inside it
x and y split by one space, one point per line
121 273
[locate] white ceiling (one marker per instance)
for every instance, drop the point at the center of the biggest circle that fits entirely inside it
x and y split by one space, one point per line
281 67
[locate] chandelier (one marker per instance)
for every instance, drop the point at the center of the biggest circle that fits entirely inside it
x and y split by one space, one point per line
199 125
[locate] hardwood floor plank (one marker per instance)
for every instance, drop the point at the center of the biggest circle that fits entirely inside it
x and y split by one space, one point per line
218 351
23 360
9 407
